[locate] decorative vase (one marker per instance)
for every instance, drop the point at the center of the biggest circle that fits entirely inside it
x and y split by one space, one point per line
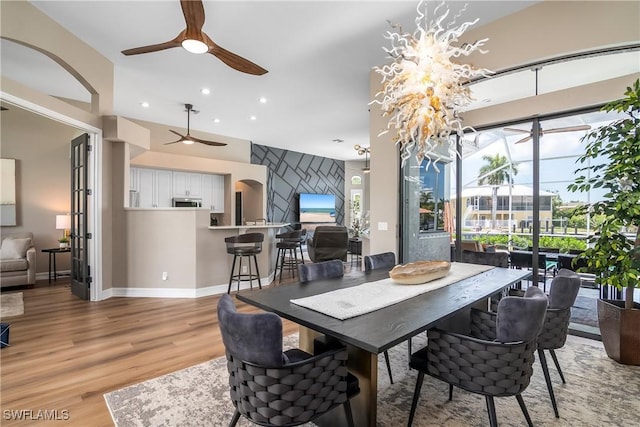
620 331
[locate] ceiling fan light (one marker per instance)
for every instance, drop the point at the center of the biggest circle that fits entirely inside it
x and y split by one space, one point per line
195 46
187 141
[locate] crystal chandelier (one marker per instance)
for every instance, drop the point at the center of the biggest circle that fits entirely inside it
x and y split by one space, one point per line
423 89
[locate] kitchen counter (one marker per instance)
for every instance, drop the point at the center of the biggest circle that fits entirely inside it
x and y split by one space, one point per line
247 227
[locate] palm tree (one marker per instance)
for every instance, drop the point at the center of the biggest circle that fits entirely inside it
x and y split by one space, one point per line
495 173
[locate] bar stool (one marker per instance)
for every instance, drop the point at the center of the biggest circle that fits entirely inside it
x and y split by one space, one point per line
289 244
244 245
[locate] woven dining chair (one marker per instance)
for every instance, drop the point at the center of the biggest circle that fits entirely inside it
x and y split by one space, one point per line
562 295
270 387
479 364
320 270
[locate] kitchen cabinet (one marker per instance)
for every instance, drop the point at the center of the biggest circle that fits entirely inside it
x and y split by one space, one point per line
213 192
187 184
153 187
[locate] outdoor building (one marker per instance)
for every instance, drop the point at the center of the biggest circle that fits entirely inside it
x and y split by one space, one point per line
477 203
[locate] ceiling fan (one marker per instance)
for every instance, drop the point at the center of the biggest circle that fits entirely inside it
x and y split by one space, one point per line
194 40
188 139
544 132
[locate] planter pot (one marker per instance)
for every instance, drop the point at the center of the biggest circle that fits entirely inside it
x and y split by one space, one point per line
64 245
620 331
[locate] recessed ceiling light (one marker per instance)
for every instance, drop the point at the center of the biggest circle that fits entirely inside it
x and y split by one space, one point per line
216 120
253 117
205 91
263 100
144 104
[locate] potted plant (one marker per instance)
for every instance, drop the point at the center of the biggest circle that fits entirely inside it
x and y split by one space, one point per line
612 162
64 242
356 218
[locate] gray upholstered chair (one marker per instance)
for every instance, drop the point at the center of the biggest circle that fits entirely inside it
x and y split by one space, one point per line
377 261
562 295
275 388
493 367
320 270
328 242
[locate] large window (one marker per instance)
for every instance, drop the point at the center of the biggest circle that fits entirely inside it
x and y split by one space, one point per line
500 199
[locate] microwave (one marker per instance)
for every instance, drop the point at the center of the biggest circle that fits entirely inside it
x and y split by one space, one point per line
182 202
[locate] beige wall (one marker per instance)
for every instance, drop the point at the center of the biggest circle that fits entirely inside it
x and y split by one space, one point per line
236 150
41 149
24 24
545 30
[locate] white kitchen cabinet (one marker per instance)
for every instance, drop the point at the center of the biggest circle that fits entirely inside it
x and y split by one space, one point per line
218 193
213 192
187 184
153 187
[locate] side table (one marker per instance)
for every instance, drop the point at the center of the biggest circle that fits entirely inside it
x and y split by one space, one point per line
52 256
355 251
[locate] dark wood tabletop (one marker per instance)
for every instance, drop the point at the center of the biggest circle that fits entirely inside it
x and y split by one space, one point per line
382 329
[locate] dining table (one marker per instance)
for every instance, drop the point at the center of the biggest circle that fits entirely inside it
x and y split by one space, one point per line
367 335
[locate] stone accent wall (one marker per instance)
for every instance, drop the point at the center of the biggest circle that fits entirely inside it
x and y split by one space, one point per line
291 173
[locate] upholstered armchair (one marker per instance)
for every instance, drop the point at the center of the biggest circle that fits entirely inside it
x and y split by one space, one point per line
270 387
328 242
17 259
493 367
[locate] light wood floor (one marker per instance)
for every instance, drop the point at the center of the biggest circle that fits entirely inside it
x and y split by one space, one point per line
66 353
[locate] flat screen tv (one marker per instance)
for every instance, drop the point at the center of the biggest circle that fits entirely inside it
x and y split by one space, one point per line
317 207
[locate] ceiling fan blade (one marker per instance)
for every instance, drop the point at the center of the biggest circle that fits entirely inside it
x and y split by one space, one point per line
179 134
154 47
568 129
204 141
234 61
193 12
174 142
516 130
525 139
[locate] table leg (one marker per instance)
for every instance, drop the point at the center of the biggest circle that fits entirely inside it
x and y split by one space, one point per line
50 254
362 364
55 268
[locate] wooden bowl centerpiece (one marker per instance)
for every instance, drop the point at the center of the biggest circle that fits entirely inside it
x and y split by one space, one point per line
418 272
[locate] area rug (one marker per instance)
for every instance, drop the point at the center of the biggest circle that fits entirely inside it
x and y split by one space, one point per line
596 394
585 311
11 304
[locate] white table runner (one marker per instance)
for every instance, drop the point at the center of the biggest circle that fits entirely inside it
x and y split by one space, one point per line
371 296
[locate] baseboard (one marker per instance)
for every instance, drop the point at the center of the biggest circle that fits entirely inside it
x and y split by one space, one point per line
132 292
45 275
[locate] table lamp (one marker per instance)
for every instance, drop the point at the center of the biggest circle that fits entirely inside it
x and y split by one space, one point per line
63 222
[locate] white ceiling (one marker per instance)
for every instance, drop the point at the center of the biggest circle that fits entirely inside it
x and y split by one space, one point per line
319 55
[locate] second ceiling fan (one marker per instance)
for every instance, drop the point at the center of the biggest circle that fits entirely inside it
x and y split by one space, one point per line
544 132
194 40
188 139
